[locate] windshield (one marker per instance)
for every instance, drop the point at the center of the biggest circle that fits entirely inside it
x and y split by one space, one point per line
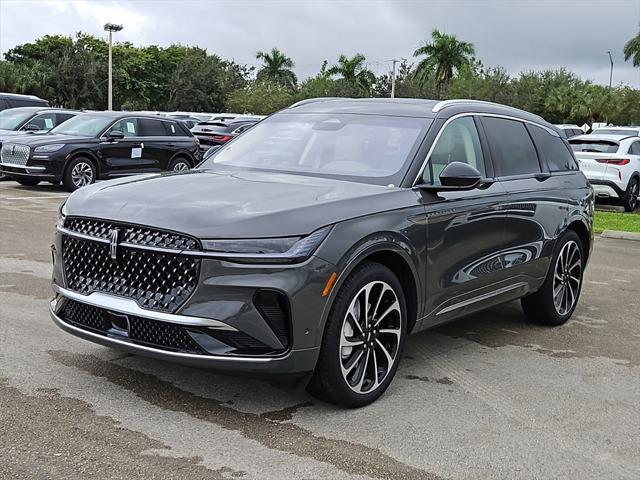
366 148
615 131
596 146
11 119
83 125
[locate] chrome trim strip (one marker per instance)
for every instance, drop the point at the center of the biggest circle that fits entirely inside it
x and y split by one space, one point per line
24 167
141 348
128 306
471 114
482 297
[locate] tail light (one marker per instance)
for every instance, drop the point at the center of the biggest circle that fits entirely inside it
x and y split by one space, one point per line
614 161
222 138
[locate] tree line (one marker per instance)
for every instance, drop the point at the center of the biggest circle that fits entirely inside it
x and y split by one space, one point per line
72 72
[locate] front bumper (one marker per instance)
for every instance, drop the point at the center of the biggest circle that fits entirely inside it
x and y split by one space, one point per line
223 305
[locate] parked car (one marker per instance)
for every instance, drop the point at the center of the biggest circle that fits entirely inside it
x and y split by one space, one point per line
623 131
569 130
215 133
30 120
190 122
612 165
324 235
99 146
14 100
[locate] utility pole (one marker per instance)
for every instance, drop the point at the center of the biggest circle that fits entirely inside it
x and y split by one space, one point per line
611 70
393 78
111 27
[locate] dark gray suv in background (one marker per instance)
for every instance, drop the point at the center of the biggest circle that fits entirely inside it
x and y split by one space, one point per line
317 241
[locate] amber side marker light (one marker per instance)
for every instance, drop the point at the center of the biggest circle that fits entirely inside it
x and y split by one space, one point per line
329 284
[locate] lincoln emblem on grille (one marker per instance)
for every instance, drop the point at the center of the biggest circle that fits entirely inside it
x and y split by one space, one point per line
113 244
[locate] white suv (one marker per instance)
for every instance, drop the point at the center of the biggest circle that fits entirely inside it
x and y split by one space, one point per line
612 165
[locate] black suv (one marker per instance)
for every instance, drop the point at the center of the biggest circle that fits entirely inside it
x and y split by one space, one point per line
14 100
100 145
319 239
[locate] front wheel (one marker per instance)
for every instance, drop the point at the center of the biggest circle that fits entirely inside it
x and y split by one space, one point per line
363 338
79 172
630 201
558 297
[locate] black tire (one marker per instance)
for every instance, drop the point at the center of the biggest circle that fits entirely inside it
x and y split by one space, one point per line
27 182
630 201
179 164
79 172
540 307
3 177
328 382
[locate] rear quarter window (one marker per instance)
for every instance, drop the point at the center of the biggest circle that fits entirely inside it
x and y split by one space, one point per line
553 149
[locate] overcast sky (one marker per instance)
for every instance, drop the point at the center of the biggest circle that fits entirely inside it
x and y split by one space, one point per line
518 35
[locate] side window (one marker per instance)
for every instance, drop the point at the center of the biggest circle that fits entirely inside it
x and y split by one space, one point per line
63 117
151 128
171 129
128 126
3 104
512 150
45 121
634 149
458 142
553 149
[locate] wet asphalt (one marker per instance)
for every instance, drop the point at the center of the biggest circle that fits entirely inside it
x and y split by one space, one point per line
489 396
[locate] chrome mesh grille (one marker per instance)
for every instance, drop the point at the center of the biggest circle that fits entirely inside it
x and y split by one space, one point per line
14 154
131 234
155 280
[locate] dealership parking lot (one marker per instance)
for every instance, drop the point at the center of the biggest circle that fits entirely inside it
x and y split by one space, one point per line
490 396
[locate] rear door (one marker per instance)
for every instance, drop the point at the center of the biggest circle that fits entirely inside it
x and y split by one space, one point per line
158 148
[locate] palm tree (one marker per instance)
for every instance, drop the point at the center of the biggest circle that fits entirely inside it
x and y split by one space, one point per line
446 55
632 50
354 71
276 68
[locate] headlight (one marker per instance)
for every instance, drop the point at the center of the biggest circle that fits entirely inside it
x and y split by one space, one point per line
54 147
268 250
61 216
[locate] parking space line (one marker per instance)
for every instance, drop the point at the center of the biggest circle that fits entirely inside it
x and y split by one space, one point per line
39 197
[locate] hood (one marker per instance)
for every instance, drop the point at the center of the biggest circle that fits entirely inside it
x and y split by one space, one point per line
244 204
6 135
47 139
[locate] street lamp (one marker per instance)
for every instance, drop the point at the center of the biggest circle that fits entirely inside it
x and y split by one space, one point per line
111 27
611 70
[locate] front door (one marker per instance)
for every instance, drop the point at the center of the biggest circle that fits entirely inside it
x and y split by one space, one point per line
123 156
465 229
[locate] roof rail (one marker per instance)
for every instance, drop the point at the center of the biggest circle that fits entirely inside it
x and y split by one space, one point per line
315 100
447 103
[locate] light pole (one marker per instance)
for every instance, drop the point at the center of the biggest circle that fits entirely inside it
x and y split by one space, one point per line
611 70
111 27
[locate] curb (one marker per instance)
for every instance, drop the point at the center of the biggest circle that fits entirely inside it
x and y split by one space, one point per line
621 235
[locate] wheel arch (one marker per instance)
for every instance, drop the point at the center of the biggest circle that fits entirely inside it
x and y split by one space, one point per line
392 256
82 153
183 154
584 233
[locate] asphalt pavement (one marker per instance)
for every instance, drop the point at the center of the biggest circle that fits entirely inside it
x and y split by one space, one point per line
487 397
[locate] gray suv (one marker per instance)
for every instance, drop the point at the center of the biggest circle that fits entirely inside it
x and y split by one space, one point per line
313 244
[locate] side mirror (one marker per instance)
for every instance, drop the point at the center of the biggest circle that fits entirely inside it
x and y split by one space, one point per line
115 135
456 176
31 127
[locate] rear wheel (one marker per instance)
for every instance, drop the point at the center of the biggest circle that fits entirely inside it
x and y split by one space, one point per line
363 338
558 297
27 182
179 164
630 201
79 172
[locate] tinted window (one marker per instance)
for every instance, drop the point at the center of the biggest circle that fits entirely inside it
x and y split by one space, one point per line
634 149
3 104
512 150
553 149
151 128
63 117
172 129
458 142
366 148
46 121
128 126
596 146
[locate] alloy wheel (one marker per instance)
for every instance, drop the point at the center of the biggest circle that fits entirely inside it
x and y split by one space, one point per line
633 200
82 174
567 277
370 337
180 166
